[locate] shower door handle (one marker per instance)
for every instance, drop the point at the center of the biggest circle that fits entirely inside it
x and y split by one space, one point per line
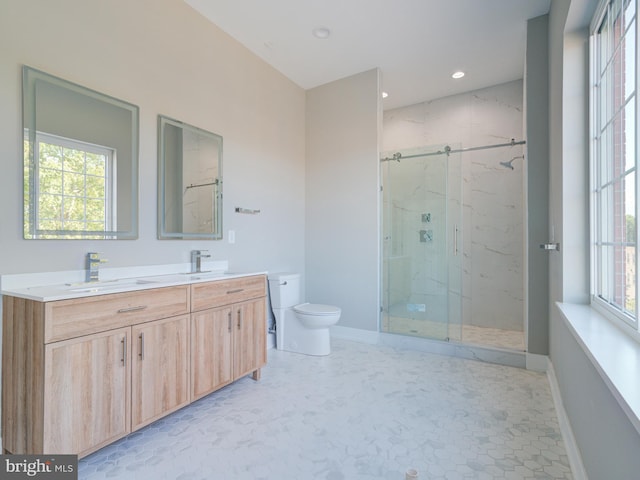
455 240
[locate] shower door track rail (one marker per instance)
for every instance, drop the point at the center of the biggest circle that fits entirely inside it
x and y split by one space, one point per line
447 150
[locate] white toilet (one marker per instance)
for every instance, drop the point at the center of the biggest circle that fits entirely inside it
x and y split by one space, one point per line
300 327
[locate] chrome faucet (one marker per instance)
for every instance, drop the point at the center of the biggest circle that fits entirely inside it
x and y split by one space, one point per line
196 260
93 266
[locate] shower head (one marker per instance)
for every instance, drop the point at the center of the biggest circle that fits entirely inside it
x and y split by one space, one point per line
510 162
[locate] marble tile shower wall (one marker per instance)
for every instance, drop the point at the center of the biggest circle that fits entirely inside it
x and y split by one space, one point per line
493 198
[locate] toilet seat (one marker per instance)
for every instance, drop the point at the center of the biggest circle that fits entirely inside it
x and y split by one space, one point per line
316 309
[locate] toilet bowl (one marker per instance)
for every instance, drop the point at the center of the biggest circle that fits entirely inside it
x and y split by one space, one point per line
300 327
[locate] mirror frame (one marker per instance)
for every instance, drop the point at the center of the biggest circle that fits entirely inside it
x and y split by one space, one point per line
163 234
30 78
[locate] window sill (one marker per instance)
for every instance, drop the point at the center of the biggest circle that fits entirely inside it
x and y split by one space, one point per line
614 353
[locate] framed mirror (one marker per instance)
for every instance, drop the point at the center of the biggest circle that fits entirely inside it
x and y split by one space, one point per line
80 161
189 181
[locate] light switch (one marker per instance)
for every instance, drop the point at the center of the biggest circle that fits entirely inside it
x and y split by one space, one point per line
232 236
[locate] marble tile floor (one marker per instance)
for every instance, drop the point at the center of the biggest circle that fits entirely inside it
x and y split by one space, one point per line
363 412
468 334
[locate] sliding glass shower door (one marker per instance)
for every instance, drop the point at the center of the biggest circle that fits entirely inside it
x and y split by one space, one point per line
422 243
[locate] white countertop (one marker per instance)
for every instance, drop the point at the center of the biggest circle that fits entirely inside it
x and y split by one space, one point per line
77 289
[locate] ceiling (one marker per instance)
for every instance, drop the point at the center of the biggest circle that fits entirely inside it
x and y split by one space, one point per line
417 44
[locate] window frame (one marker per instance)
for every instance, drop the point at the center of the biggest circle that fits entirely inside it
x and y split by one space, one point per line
110 197
607 306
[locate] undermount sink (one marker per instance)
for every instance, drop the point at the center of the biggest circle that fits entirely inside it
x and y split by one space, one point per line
206 275
106 285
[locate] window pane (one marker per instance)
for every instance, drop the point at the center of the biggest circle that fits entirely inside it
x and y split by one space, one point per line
50 207
50 225
74 184
604 99
74 210
604 149
630 208
75 226
630 135
630 291
95 226
603 44
50 156
74 161
629 12
96 164
606 276
95 210
629 55
95 187
50 181
606 224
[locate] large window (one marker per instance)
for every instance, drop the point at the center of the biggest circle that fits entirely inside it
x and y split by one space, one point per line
614 158
72 182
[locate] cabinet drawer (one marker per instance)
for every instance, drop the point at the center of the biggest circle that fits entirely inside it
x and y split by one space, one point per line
224 292
83 316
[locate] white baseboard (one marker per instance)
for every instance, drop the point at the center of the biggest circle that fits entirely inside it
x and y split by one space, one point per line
356 334
537 363
570 445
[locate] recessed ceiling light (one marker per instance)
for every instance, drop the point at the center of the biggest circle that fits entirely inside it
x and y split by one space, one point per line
321 32
385 94
458 74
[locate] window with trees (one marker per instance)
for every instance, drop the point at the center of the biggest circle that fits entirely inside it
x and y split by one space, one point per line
73 186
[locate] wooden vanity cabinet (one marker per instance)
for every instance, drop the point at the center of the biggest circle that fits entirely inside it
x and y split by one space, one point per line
81 373
228 332
86 393
72 369
249 339
211 351
160 369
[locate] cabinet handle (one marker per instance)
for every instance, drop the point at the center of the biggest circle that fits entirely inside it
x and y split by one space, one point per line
132 309
124 352
239 318
141 354
238 290
229 321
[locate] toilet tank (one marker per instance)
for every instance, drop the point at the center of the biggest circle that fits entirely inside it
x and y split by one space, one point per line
284 289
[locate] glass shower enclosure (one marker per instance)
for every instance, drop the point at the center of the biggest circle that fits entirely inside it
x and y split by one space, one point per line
422 243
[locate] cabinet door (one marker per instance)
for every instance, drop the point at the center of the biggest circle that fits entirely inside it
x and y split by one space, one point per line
250 349
86 392
211 357
160 369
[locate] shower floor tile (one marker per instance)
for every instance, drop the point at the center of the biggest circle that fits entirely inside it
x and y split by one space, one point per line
364 412
493 337
470 334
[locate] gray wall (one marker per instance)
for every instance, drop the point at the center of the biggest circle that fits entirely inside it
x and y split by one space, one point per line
607 440
164 57
537 128
344 120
